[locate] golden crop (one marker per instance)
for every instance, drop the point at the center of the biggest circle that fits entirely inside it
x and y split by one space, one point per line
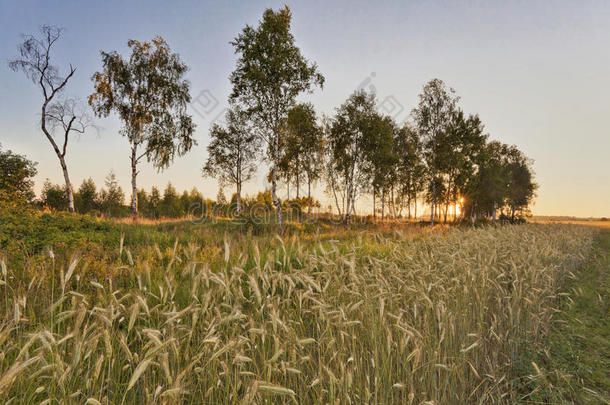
376 319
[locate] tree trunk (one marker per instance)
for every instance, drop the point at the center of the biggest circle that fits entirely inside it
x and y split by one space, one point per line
134 174
415 206
287 188
276 202
64 168
297 175
61 156
392 202
382 204
308 196
493 212
374 213
348 207
238 199
432 206
447 202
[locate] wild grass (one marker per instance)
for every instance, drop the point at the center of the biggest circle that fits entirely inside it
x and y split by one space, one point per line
396 317
574 367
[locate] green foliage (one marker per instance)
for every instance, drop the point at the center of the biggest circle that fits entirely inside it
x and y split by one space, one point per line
232 152
86 198
170 205
504 180
380 153
410 167
26 232
433 115
573 367
112 198
352 138
149 93
270 73
379 317
16 183
54 196
302 147
155 202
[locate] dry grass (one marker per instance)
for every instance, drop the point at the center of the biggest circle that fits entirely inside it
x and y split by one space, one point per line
376 319
573 221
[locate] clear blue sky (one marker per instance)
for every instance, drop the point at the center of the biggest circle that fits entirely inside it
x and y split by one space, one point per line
537 72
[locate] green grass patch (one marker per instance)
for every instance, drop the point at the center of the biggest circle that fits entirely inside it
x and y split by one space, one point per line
575 367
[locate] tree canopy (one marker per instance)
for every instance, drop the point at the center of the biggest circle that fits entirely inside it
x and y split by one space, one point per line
232 152
150 95
16 177
270 73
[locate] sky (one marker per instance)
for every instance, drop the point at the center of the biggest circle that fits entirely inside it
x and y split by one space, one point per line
536 72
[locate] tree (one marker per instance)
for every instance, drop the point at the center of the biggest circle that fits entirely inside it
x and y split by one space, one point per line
154 202
350 136
112 197
521 186
16 183
410 168
381 158
54 196
304 147
221 199
270 73
35 61
232 152
150 95
86 196
170 204
432 116
488 188
144 203
461 144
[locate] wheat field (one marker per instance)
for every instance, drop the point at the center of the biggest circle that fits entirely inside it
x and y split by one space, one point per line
436 318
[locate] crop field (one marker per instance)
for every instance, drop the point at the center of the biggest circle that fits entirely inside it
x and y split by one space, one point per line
187 313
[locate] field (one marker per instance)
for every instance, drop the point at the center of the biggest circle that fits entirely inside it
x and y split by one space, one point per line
597 222
113 313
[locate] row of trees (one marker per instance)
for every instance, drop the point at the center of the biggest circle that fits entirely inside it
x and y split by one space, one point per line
110 199
443 157
147 91
17 188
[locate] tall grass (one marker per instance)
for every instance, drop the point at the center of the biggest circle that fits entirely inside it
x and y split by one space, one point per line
365 319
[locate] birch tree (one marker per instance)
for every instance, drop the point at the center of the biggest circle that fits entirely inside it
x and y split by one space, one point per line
270 73
304 147
149 93
232 152
349 139
432 116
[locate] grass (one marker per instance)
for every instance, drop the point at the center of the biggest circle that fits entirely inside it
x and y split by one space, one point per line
221 314
575 367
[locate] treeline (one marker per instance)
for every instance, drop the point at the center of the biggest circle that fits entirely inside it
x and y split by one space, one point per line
109 201
442 158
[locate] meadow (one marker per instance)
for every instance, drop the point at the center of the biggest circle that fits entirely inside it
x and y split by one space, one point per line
102 312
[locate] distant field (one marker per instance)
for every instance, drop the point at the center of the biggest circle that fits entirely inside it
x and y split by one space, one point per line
575 221
116 313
